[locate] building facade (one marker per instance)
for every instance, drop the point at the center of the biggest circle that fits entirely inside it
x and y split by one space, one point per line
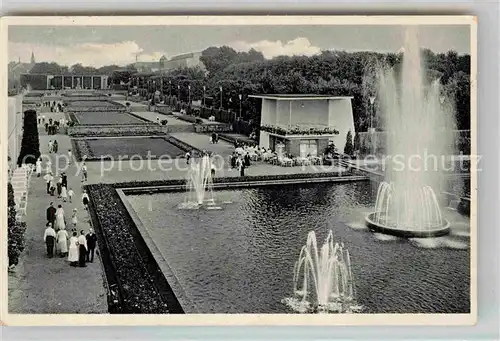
191 60
68 81
304 125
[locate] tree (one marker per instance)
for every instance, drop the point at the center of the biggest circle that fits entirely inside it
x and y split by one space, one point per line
30 145
357 142
349 148
16 229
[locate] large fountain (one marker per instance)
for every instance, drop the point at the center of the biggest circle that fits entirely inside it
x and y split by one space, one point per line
418 123
199 185
322 278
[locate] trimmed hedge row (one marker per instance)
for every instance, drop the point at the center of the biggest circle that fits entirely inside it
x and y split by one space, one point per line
191 119
118 133
233 139
182 145
234 179
138 289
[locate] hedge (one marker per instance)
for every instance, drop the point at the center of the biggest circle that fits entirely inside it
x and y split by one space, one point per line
16 229
30 145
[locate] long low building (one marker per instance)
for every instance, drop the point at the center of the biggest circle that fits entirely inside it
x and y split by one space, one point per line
303 125
66 81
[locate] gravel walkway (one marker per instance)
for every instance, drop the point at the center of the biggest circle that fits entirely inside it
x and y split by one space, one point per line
43 285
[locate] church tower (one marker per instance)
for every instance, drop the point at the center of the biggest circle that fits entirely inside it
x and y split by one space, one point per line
32 58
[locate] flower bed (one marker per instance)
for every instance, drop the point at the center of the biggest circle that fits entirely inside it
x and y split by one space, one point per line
136 270
298 130
210 128
187 118
117 133
82 150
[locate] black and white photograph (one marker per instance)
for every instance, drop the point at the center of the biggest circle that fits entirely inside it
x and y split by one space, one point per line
281 167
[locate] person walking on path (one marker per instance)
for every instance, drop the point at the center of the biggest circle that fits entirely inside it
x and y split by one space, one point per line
82 249
38 168
51 145
73 250
84 172
64 177
91 244
48 180
64 193
62 242
51 214
85 200
56 145
70 195
74 217
49 238
60 223
242 168
188 157
59 187
69 156
48 167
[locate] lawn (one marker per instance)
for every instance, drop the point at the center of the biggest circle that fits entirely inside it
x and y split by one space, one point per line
126 147
107 117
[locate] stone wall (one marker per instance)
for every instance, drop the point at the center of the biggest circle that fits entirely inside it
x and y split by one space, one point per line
117 130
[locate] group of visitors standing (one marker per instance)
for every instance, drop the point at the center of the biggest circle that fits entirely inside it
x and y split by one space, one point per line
52 126
54 106
214 138
79 248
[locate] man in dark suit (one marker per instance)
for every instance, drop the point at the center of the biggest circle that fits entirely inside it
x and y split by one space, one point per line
51 214
91 244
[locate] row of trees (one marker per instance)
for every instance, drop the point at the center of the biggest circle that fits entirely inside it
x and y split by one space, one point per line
331 72
16 229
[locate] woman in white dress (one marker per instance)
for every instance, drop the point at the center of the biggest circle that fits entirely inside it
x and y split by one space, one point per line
39 167
62 242
48 167
73 250
64 193
60 224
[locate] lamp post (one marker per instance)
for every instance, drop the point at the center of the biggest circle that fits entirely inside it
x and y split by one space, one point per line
204 89
372 107
220 89
169 88
179 92
189 94
239 96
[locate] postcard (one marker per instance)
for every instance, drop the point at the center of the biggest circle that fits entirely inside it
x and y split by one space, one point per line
245 170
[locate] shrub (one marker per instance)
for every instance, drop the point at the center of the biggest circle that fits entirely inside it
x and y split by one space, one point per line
331 148
16 229
187 118
357 142
349 148
199 121
30 145
164 122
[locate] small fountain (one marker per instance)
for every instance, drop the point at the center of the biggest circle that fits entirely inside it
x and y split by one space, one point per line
322 279
199 186
418 125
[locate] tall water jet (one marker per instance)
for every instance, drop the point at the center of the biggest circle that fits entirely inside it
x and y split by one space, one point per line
419 138
199 185
322 278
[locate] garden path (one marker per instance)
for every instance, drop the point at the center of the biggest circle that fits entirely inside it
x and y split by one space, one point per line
43 285
151 116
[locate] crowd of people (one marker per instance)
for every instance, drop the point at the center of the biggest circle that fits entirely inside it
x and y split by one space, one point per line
61 238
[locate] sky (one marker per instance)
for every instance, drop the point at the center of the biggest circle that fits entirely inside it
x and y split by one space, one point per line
106 45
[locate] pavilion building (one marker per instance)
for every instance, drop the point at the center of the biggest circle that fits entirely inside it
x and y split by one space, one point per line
304 125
